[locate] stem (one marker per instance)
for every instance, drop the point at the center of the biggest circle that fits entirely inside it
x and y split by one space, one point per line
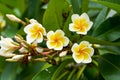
95 62
81 71
71 74
62 75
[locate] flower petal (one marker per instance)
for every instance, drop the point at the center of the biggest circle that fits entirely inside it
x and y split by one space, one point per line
39 38
51 45
27 28
72 28
50 35
89 50
74 17
66 41
85 16
75 49
59 46
78 58
59 33
87 58
30 39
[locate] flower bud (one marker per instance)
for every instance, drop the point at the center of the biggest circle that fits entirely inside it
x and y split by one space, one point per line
96 45
63 53
13 18
17 57
23 50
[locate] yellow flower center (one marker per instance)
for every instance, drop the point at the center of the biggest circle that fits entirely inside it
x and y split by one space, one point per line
80 24
36 30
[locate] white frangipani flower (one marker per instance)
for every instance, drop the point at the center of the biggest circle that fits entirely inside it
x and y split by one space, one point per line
7 47
34 31
57 40
80 24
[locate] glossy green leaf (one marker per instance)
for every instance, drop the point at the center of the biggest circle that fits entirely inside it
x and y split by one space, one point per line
10 72
47 65
76 6
85 4
99 41
45 74
109 66
111 35
52 18
109 4
107 25
99 19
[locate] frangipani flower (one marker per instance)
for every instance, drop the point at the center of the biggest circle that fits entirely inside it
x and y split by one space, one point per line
82 53
57 40
81 24
34 31
7 47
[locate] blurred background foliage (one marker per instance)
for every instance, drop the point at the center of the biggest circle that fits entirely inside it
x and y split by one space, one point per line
54 14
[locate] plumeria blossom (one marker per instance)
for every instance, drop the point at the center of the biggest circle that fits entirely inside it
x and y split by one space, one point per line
82 53
80 24
34 31
7 47
57 40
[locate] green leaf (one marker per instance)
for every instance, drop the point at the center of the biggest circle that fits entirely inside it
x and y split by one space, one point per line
10 72
76 6
47 65
114 6
45 74
5 10
60 68
108 25
109 66
85 5
99 41
52 18
109 49
111 35
99 19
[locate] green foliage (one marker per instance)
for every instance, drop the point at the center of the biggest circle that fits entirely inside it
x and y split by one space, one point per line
57 15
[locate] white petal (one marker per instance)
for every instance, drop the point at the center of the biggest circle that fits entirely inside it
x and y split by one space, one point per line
66 41
33 21
49 34
85 16
88 60
76 60
71 27
49 45
59 46
92 51
40 25
30 39
86 43
73 47
84 33
39 40
26 29
59 32
90 25
74 16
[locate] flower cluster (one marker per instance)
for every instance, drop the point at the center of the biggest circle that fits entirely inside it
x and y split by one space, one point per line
58 44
